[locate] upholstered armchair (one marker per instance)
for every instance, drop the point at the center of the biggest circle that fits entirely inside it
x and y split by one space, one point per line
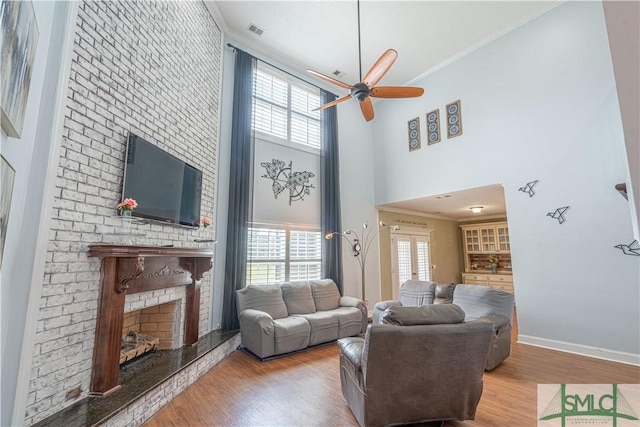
412 293
484 302
421 364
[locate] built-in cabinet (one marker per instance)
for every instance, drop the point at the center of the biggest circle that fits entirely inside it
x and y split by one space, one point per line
480 241
487 238
499 281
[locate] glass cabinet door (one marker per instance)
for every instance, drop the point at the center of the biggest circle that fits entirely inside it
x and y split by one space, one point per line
488 236
472 239
503 239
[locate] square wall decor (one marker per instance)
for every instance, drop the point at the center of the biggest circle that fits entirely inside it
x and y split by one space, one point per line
414 134
454 120
433 126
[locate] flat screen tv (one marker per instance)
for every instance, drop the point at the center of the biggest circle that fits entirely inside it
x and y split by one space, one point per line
166 188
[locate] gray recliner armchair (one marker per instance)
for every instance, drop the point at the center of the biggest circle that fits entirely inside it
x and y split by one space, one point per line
475 300
412 293
484 302
413 368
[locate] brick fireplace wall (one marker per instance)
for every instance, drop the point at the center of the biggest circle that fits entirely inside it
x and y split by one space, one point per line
152 68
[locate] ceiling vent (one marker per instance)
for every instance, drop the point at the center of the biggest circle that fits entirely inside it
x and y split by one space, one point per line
338 73
255 29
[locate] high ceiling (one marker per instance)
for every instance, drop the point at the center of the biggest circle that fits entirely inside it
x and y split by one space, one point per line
323 36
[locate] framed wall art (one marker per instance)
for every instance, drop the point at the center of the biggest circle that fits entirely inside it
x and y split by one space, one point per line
19 40
433 126
413 126
7 176
454 120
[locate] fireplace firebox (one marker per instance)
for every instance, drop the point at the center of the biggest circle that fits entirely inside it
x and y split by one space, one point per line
133 269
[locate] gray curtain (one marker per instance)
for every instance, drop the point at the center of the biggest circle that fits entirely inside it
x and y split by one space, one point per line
240 187
330 189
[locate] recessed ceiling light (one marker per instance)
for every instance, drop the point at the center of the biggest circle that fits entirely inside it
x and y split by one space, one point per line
476 209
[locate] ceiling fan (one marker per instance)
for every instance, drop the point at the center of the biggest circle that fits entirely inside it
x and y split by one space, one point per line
366 88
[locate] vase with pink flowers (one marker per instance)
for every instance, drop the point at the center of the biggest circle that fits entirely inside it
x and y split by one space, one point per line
127 206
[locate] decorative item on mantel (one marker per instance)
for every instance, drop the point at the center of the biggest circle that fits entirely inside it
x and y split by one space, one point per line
205 222
360 246
126 208
493 263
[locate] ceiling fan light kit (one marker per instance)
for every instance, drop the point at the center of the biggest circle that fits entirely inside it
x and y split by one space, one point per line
364 90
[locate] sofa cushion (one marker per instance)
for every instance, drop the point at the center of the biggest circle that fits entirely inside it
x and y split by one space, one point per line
298 298
267 298
290 334
325 294
324 326
349 321
416 292
444 292
423 315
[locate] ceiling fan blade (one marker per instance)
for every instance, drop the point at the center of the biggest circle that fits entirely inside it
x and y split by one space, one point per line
332 103
367 109
380 68
396 92
329 79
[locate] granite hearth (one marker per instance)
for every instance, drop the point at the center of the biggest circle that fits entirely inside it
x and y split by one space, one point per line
147 384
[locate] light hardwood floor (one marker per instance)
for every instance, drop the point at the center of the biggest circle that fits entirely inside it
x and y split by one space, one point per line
303 389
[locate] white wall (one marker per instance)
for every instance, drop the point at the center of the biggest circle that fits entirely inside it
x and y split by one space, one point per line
538 103
27 230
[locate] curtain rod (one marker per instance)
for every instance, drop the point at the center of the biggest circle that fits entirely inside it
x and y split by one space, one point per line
278 68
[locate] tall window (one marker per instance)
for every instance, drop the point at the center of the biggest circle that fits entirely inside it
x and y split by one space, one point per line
283 108
281 254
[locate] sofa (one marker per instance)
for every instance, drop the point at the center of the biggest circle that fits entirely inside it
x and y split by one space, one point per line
475 300
278 319
419 364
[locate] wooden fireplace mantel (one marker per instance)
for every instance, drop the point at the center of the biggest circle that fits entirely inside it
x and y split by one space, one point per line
131 269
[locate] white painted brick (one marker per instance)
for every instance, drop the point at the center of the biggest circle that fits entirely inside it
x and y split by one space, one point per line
56 300
78 307
56 322
101 109
59 278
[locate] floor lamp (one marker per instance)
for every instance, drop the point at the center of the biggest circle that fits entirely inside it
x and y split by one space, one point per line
361 244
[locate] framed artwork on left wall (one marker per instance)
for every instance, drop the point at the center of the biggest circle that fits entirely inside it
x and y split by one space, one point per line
19 32
7 176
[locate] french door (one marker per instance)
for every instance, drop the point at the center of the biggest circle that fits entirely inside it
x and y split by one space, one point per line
411 254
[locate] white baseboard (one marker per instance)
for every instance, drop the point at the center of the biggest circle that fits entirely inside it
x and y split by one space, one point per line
583 350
